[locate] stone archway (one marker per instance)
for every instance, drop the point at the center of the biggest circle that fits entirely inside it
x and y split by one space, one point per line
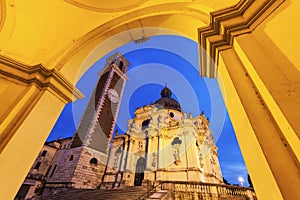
233 41
139 171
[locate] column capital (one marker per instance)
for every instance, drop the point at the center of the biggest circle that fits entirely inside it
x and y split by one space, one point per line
227 23
38 75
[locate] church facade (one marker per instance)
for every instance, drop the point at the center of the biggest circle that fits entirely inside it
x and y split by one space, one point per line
162 143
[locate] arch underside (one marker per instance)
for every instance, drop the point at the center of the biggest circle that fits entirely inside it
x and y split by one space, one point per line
80 57
81 32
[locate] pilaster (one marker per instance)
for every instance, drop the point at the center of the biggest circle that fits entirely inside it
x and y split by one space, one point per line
272 126
27 118
249 117
256 92
227 23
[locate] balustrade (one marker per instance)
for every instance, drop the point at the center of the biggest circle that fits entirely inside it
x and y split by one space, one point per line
196 190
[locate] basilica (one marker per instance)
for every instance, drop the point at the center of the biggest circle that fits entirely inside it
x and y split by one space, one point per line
162 146
250 48
162 143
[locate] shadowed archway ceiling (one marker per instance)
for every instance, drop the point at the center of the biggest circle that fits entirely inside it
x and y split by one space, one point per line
62 28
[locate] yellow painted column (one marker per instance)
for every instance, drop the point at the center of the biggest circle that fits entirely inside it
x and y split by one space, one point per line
276 131
270 163
278 86
32 98
255 160
25 144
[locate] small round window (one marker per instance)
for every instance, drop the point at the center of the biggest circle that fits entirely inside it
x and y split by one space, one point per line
171 114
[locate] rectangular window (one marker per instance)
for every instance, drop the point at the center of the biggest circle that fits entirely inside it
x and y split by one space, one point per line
48 171
53 170
37 166
44 153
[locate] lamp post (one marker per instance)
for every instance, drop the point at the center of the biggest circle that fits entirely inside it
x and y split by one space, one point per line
241 180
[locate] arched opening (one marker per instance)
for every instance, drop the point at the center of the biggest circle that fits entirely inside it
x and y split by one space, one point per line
79 62
238 109
145 124
94 161
139 171
139 176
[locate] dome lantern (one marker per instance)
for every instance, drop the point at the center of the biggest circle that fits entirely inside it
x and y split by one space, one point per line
166 101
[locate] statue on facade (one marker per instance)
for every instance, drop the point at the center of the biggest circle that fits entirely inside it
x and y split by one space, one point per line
116 159
133 126
176 145
154 159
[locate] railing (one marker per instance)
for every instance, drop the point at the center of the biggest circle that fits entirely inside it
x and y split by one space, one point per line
150 192
196 190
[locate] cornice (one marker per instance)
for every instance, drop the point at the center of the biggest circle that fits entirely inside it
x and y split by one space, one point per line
227 23
43 78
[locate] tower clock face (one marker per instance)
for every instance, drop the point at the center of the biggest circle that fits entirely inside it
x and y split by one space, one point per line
113 95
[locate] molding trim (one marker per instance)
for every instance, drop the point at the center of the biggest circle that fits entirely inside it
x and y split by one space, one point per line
99 8
43 78
134 19
227 23
2 13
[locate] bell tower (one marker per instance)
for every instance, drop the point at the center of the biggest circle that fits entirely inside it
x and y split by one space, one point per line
97 124
82 165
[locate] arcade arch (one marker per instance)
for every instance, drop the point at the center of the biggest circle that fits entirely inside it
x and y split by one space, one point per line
251 101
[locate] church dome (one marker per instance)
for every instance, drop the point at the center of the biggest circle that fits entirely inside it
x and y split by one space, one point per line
166 101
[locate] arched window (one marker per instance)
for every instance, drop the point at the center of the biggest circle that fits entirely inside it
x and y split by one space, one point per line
145 124
71 157
139 171
94 161
140 165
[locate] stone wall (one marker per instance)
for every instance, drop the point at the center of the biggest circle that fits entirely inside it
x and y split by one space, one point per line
89 169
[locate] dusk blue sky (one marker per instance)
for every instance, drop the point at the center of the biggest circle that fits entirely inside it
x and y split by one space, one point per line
171 60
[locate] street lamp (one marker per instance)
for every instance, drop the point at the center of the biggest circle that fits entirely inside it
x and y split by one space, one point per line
241 180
